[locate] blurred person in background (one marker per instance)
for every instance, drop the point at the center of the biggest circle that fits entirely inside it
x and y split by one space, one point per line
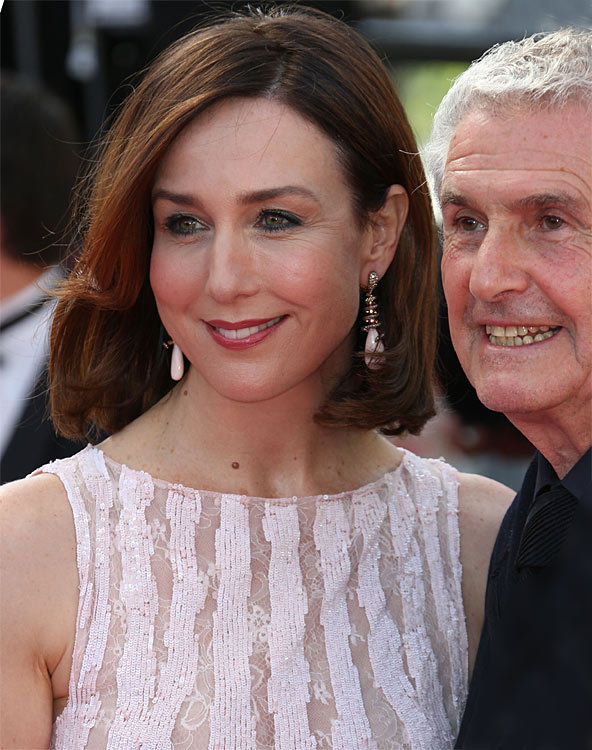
510 159
39 162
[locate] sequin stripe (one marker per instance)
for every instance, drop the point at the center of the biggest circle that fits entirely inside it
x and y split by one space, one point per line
98 484
385 645
351 728
421 660
137 665
232 726
72 727
177 679
287 688
427 486
458 640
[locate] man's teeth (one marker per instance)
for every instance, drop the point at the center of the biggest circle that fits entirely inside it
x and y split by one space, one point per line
243 333
519 335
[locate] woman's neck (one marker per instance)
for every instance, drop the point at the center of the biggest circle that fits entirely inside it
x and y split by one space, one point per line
272 449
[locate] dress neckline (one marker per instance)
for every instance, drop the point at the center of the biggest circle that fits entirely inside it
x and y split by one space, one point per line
253 499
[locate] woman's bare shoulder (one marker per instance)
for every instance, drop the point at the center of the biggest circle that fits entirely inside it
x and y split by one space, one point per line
38 537
36 519
39 596
38 557
32 498
482 505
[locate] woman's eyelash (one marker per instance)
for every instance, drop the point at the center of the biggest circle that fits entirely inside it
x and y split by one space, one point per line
270 220
183 224
276 220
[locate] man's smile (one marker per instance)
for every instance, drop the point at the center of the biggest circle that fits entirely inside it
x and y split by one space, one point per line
519 335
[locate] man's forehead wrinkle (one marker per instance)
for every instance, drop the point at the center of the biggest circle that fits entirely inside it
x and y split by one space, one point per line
578 190
490 159
469 142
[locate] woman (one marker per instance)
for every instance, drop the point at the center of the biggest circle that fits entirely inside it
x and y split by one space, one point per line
247 562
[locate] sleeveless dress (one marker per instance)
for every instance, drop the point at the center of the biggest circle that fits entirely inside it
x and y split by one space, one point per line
227 622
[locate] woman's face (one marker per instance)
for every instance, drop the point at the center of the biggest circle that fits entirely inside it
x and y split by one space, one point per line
258 257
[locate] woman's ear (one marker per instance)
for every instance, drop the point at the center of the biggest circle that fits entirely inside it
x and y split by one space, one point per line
386 226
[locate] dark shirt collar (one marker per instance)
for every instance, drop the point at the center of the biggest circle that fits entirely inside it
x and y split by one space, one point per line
578 480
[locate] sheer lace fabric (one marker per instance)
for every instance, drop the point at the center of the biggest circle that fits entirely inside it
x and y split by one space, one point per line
235 623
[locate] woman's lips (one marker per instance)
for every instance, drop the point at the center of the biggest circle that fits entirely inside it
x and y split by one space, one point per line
243 333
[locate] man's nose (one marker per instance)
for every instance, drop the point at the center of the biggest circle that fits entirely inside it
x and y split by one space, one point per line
232 268
499 265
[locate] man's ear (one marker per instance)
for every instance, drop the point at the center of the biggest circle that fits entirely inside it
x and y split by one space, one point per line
386 226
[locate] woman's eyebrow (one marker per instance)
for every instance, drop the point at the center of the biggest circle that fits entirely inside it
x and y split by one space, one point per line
255 196
183 199
260 196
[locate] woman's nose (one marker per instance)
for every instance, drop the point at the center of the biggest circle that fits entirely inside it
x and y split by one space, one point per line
232 268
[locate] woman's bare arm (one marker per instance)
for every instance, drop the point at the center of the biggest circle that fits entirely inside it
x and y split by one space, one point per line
482 505
38 590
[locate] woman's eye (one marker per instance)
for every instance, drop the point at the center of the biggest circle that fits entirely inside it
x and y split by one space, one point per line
183 224
276 221
551 223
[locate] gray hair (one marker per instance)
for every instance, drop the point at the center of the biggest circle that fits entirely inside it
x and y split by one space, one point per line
546 70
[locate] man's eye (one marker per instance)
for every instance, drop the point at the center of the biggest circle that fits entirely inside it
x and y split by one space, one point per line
551 223
183 224
275 221
468 224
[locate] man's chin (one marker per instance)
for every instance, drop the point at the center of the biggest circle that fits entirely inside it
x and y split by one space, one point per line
520 399
510 398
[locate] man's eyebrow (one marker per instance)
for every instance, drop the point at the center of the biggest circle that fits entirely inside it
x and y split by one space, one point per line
536 200
541 200
452 197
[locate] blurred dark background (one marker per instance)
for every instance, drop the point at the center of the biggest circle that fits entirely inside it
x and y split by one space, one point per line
86 50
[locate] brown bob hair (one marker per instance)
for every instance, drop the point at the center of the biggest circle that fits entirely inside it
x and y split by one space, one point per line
107 362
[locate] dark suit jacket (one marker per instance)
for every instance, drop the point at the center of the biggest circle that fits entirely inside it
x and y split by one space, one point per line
532 684
34 441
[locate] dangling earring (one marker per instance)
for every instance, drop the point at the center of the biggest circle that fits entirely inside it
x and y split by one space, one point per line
177 361
371 324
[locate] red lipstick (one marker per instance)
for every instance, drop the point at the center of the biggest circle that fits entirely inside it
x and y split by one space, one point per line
247 341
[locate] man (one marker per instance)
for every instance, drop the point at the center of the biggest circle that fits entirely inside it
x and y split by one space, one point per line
39 164
510 160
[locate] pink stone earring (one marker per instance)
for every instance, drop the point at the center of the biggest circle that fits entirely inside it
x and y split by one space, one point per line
177 361
371 325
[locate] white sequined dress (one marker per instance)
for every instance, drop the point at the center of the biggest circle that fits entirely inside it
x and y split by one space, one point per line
226 622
